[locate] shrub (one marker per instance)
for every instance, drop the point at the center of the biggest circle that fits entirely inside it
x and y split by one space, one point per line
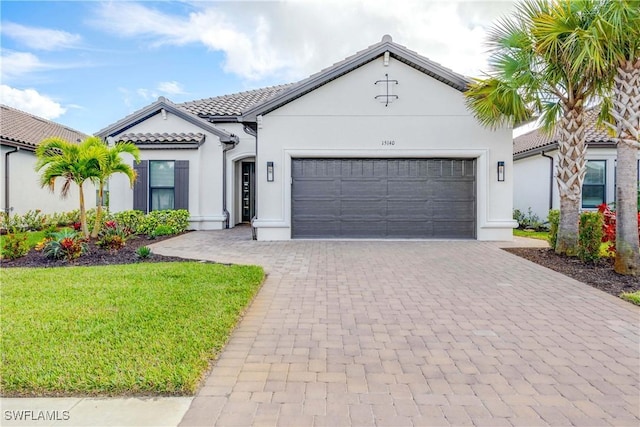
130 220
590 236
161 230
176 222
112 236
14 245
143 252
528 220
33 220
65 244
554 221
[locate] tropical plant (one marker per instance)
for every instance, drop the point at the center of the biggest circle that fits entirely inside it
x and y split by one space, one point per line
620 36
73 163
538 71
111 163
143 252
14 245
65 244
113 236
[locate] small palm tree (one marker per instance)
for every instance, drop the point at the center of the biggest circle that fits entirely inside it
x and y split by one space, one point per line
536 71
111 163
73 163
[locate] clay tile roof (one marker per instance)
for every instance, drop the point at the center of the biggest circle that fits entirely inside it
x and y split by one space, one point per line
27 130
537 139
142 138
233 104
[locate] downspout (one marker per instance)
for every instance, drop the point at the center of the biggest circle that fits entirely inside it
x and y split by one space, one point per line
228 144
7 200
254 132
550 179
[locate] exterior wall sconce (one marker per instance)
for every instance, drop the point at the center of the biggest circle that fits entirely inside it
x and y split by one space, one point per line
500 171
269 171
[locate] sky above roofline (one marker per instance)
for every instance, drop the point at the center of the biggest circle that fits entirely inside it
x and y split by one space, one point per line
87 64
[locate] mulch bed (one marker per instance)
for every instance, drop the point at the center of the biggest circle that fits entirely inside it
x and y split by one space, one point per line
599 274
96 256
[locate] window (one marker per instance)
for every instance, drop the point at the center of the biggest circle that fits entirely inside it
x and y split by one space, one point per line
161 185
594 187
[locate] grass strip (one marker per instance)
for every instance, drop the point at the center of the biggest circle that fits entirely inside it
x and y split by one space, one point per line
137 329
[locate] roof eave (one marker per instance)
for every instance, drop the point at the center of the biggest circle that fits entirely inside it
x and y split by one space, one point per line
154 109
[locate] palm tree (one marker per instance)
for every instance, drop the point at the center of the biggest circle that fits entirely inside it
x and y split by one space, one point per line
74 163
111 163
620 31
536 71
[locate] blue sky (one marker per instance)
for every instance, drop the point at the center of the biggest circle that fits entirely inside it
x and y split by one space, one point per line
87 64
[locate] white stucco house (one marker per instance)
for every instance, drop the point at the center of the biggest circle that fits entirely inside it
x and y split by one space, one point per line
20 133
379 145
535 156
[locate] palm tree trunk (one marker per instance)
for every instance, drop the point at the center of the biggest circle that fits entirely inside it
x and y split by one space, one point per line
98 224
625 110
570 176
83 214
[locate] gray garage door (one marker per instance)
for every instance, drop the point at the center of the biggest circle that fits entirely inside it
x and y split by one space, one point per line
383 198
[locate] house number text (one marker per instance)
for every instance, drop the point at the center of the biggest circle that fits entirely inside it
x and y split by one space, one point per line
386 142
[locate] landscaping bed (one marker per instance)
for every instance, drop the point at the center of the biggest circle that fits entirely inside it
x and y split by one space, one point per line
95 256
598 274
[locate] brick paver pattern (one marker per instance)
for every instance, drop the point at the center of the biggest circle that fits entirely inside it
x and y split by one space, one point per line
415 333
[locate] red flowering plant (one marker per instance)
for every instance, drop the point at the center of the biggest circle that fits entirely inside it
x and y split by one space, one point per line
65 244
113 236
609 227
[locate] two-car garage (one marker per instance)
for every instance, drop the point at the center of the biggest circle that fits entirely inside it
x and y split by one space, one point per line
383 198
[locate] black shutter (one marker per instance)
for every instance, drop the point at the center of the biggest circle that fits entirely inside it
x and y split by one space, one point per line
181 183
141 187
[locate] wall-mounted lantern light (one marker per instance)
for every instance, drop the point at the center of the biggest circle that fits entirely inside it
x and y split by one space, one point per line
269 171
500 171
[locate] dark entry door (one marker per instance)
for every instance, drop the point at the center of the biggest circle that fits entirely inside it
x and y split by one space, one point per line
383 198
248 178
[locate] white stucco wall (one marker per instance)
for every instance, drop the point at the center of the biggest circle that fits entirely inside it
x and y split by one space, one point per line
343 119
205 171
25 193
531 186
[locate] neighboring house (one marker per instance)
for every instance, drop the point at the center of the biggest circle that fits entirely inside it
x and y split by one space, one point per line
20 133
379 145
535 156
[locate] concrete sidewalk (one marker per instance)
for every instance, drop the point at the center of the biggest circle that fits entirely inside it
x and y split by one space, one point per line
91 412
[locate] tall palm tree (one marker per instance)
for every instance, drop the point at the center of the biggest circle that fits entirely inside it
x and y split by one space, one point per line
620 33
111 163
537 72
74 163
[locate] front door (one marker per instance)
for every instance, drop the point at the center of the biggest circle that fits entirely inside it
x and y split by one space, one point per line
248 174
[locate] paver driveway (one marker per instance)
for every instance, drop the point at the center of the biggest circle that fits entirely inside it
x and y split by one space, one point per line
415 333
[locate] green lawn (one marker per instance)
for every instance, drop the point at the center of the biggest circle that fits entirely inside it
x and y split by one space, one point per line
633 297
541 235
146 328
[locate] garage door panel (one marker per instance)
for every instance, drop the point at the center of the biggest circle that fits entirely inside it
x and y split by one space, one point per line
357 228
362 207
383 198
364 188
409 187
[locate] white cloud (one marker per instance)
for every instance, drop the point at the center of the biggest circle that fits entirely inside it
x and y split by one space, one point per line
171 88
41 38
16 64
31 101
293 39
